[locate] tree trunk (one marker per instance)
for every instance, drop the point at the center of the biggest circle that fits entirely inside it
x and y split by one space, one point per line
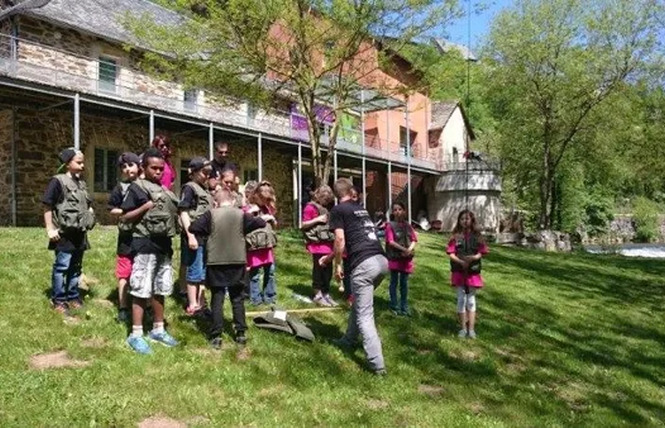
332 144
545 192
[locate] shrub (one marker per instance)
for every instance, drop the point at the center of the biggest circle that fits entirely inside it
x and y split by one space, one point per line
645 216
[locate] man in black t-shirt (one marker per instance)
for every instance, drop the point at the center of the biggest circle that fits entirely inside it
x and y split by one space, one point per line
220 161
367 265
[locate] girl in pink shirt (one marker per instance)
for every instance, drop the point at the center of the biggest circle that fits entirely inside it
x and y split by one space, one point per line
263 259
168 176
400 246
465 248
319 242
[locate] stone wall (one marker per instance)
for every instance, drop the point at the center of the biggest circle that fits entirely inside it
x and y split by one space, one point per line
6 131
41 137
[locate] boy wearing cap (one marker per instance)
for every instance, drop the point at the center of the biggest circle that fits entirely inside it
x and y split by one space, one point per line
68 215
195 200
128 163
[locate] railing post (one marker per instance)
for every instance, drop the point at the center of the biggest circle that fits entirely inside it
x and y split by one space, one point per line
259 150
299 185
408 160
151 124
362 137
77 121
390 187
211 141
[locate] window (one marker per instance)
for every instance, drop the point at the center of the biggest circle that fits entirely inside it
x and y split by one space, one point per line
106 170
402 139
455 155
191 98
108 73
251 113
250 174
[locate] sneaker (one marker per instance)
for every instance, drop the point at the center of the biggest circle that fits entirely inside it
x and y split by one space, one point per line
380 372
462 333
472 334
75 304
241 339
61 308
139 345
192 310
405 312
330 300
216 343
320 300
164 338
123 316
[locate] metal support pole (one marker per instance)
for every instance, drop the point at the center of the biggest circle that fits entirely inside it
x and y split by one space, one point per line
390 187
408 160
151 125
299 185
211 141
335 165
362 137
259 149
77 121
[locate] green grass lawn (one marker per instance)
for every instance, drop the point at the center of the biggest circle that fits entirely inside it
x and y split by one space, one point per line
563 340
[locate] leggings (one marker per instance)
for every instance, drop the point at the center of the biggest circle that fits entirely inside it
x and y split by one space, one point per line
466 302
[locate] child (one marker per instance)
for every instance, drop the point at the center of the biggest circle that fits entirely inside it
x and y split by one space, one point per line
319 242
400 244
226 226
465 248
195 200
68 215
153 211
129 166
260 243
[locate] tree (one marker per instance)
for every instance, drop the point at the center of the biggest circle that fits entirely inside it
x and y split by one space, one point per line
553 63
316 52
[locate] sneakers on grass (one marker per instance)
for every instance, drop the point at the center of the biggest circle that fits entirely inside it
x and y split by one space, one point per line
462 333
320 300
164 338
139 345
330 300
472 334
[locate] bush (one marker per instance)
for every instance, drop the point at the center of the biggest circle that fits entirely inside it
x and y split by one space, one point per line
645 216
598 212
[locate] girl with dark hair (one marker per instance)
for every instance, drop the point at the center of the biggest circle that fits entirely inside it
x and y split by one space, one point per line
400 246
168 177
465 248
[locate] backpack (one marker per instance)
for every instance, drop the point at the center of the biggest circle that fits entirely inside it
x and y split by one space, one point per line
73 213
320 232
160 220
402 234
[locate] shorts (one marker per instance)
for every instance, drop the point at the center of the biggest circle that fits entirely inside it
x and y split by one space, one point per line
152 274
123 266
194 260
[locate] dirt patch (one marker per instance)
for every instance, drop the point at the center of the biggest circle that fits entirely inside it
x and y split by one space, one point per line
476 408
71 320
86 282
465 355
424 351
55 360
375 404
197 420
271 391
161 422
94 342
104 303
431 390
243 354
574 395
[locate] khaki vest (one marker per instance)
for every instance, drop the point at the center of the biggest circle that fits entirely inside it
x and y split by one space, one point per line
122 225
467 247
72 213
160 220
401 232
320 232
226 243
261 238
203 201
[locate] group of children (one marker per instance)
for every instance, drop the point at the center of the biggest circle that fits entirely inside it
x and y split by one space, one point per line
227 245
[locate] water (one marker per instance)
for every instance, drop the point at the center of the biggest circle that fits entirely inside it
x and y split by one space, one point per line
651 251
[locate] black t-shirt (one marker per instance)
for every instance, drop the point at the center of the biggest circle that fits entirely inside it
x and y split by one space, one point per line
71 240
218 167
359 232
136 197
188 201
116 198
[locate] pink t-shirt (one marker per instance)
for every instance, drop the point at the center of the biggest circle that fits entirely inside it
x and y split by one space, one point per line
460 279
263 256
168 177
400 265
308 214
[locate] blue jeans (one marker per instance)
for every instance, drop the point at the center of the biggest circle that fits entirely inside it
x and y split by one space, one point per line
195 263
269 293
403 278
65 276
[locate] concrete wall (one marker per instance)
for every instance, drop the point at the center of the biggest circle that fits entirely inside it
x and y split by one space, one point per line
6 135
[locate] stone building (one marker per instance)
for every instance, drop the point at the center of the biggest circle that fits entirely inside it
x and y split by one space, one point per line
66 80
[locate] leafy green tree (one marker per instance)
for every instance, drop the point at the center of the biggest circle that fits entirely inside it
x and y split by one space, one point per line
312 51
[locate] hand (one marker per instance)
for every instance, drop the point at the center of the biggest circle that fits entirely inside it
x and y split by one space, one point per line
149 205
323 261
465 264
192 243
323 219
339 272
268 218
53 235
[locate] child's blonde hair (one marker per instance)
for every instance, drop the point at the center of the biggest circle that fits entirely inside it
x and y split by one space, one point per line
270 201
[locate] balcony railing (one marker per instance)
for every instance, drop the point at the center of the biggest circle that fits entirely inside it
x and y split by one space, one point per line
483 163
109 78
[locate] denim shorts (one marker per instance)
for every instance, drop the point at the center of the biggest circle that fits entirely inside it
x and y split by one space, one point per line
194 260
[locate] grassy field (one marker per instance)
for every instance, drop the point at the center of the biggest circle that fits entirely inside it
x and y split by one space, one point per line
563 340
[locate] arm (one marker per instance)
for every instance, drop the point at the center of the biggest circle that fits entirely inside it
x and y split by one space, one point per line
200 226
390 239
132 216
251 223
186 221
136 205
311 218
51 230
340 243
451 253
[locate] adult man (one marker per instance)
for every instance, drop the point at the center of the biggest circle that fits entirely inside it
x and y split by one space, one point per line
367 265
220 160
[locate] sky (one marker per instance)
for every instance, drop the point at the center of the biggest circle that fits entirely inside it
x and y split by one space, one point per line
480 22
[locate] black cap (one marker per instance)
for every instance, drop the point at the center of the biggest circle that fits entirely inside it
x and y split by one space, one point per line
198 163
128 157
67 155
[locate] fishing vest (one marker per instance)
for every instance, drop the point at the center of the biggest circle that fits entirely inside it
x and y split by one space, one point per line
467 247
226 243
402 235
124 226
160 220
261 238
72 213
320 232
203 201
